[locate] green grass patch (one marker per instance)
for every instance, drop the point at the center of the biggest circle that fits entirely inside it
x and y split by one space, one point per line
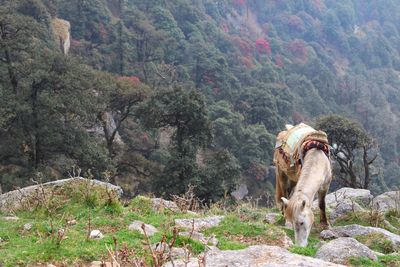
365 262
312 246
377 242
233 233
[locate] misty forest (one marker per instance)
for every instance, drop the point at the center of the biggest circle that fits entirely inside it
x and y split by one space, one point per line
157 95
183 100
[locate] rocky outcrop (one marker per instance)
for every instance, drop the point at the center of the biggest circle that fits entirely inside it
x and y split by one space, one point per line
199 223
343 208
240 192
158 204
261 255
387 201
358 230
61 30
342 249
138 226
348 195
14 200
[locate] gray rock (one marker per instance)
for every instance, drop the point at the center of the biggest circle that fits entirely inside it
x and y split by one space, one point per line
175 253
96 234
272 217
343 208
341 249
137 226
387 201
260 255
14 200
357 230
27 227
159 204
332 200
212 240
11 218
240 192
199 223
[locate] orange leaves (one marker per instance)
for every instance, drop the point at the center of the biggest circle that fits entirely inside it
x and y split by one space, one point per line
132 79
298 49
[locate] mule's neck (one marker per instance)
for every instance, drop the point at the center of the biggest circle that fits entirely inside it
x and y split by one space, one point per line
314 172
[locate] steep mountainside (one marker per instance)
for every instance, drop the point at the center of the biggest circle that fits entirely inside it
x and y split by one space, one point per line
197 90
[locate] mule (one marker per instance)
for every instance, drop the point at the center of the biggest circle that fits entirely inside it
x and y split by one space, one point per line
295 194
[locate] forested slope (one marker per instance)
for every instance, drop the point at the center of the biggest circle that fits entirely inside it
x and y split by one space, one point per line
161 94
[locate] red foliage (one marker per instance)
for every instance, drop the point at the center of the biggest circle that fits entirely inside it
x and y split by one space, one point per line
208 80
257 171
132 79
245 47
298 49
224 26
247 61
216 90
103 32
145 137
296 23
263 46
318 4
279 61
239 3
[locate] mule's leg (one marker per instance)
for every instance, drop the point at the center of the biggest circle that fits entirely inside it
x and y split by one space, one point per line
279 189
322 208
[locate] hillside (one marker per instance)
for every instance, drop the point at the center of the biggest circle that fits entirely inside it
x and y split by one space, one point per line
81 222
156 95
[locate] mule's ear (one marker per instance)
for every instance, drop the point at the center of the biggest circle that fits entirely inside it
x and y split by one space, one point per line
284 201
303 204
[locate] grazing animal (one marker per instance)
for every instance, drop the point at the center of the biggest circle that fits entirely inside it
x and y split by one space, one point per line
303 169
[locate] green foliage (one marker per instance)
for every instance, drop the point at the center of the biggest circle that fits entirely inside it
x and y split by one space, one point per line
326 57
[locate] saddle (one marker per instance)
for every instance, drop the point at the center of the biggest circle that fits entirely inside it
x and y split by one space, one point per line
292 146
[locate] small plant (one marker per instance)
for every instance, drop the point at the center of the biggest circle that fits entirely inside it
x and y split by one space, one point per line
188 201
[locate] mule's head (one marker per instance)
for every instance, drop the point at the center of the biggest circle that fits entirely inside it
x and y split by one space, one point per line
297 211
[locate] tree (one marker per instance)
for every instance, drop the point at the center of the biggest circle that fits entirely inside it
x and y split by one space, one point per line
184 111
127 93
352 147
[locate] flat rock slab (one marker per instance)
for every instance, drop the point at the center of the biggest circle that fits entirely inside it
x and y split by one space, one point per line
199 223
137 226
387 201
159 204
13 200
357 230
342 249
260 256
332 200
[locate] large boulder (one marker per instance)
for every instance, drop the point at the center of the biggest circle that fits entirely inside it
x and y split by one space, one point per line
199 224
342 249
260 255
345 194
387 201
14 200
343 208
158 204
358 230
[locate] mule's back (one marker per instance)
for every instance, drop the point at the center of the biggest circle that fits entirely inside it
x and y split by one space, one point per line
289 147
